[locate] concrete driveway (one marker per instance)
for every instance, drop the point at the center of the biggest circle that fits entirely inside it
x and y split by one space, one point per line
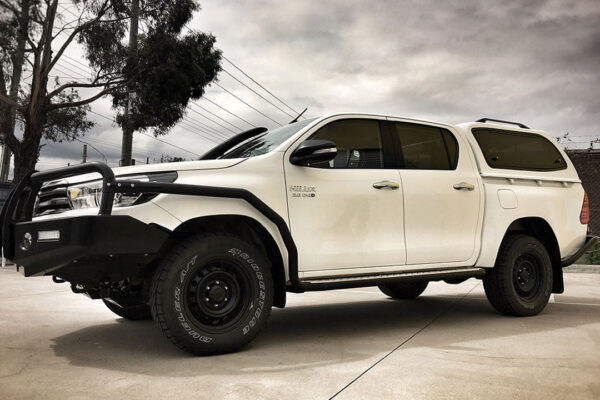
347 344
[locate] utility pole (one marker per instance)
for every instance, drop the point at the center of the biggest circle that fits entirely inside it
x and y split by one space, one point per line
127 143
4 163
84 154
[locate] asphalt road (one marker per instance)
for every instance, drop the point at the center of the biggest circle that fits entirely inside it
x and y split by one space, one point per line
351 344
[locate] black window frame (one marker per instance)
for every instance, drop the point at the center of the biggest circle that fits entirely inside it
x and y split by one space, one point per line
387 148
518 133
399 154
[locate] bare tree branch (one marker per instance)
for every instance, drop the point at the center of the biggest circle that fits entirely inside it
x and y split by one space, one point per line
7 100
82 85
56 106
10 7
78 30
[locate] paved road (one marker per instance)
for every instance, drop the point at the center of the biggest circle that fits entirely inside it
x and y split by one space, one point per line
351 344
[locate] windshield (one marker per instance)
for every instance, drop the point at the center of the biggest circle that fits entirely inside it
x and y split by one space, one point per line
266 142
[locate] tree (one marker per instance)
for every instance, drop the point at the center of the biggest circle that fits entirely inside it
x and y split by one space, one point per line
170 68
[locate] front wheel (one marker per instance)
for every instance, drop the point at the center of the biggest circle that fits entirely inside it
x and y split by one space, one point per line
521 281
212 294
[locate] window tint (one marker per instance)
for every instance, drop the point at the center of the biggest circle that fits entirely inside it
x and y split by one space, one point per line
426 147
516 150
358 143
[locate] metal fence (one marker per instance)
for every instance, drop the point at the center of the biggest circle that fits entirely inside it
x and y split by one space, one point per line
587 163
5 189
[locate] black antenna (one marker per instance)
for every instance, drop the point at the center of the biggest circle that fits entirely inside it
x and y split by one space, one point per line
299 115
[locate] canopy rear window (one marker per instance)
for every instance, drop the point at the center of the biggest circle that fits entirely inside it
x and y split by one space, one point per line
518 150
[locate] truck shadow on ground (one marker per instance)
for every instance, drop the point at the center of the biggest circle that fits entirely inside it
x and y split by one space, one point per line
308 336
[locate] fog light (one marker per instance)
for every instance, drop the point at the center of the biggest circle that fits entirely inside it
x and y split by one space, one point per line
26 241
44 236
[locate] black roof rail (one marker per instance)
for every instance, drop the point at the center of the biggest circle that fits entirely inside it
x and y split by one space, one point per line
520 125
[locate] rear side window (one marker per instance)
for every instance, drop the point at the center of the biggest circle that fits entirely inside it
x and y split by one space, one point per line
426 147
518 150
358 143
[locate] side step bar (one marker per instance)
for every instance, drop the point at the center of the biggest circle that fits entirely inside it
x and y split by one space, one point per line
374 280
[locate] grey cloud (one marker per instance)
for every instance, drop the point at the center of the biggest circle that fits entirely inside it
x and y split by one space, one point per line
535 61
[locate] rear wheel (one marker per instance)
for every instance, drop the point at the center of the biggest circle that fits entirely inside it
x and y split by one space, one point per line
521 281
212 294
139 312
404 290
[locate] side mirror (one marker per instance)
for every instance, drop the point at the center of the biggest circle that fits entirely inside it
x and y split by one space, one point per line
314 151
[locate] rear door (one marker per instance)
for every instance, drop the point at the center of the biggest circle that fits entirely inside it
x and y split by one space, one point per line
441 193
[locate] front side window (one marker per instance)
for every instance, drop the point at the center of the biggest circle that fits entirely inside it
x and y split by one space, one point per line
358 143
426 147
518 150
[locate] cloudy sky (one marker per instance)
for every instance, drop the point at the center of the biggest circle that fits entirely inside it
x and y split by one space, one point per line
534 61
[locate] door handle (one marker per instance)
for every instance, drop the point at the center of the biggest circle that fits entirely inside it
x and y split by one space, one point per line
386 185
463 186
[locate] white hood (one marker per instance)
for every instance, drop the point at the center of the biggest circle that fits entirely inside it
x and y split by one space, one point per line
165 167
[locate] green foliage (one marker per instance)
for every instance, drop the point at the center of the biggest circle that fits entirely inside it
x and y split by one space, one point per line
67 124
171 70
593 257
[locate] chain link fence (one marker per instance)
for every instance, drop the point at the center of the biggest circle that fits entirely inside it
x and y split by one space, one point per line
587 163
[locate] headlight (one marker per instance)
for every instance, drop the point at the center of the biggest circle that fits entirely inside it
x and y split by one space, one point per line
89 194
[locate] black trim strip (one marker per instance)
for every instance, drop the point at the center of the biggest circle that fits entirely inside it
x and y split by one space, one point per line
233 193
590 241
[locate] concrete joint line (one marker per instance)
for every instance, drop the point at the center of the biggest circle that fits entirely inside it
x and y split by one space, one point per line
438 316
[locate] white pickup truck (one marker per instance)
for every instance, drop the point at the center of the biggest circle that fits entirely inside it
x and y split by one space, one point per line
207 247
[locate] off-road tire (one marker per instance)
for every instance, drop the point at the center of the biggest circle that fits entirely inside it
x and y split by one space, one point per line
520 283
404 290
206 271
134 313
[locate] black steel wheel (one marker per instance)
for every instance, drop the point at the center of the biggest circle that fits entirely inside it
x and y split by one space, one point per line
218 293
212 294
521 281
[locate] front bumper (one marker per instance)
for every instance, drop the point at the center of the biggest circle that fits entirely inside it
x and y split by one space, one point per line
84 248
88 248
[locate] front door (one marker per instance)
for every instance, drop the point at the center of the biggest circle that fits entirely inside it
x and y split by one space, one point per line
347 213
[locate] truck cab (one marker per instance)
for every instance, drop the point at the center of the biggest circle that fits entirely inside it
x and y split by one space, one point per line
207 247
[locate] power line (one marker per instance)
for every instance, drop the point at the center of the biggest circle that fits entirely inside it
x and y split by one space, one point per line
219 139
227 111
259 95
216 135
170 144
197 131
74 65
261 86
152 137
213 121
212 113
253 80
260 112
